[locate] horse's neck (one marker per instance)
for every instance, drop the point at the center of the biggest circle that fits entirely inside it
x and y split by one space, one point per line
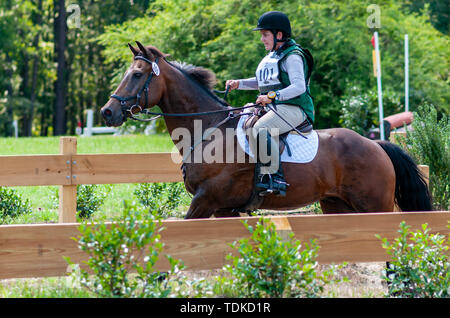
184 96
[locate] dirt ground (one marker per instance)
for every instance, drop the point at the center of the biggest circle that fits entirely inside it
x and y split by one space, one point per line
364 280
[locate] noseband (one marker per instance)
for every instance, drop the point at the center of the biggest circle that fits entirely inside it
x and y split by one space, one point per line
123 100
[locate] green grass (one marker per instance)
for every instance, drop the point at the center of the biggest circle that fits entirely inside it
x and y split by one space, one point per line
95 144
44 199
52 287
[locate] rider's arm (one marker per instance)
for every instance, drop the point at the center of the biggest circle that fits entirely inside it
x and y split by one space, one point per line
293 65
248 84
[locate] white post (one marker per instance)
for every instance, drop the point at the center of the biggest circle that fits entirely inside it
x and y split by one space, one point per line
380 94
16 128
406 74
89 123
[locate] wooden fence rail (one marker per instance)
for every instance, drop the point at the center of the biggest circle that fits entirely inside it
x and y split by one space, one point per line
37 250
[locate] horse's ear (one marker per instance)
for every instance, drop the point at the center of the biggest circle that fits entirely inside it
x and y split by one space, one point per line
133 49
143 49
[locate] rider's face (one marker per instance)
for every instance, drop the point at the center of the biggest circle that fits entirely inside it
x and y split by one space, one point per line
267 39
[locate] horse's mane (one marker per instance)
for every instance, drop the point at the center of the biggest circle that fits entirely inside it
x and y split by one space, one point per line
200 75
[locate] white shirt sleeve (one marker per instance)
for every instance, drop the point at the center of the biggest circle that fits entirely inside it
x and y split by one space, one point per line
248 84
293 65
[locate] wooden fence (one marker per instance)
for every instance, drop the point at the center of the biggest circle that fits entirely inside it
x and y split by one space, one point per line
36 250
69 169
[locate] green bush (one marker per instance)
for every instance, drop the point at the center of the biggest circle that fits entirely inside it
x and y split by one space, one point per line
268 266
89 200
420 265
132 243
164 198
429 144
12 205
360 108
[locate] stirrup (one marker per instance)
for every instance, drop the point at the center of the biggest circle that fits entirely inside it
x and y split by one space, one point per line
274 185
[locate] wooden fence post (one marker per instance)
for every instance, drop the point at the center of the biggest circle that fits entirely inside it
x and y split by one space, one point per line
68 193
401 135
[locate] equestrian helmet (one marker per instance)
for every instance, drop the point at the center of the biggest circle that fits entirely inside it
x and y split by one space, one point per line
274 21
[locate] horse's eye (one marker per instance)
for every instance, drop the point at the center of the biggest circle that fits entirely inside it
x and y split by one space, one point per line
137 75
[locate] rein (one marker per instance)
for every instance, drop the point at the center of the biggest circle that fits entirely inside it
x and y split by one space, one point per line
212 112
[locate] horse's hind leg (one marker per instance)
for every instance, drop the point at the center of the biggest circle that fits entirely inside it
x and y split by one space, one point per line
332 205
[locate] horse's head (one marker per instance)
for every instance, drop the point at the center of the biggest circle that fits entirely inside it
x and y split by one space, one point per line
141 87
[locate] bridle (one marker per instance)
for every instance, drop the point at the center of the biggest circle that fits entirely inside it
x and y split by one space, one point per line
123 100
128 111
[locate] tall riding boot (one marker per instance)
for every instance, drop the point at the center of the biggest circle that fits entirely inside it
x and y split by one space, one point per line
270 183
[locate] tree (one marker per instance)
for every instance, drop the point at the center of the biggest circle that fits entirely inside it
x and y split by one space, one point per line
60 27
50 73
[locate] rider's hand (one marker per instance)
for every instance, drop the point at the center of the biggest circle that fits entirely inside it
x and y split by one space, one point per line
233 84
263 100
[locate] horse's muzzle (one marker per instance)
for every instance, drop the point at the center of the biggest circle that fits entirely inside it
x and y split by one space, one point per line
112 117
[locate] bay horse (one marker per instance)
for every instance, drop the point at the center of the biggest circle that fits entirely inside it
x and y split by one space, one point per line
349 174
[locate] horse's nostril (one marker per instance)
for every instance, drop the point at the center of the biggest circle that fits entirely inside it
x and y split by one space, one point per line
107 112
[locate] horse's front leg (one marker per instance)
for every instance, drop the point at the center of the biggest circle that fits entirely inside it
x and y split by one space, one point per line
226 213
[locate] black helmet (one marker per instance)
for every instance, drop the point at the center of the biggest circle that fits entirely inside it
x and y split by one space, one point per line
274 21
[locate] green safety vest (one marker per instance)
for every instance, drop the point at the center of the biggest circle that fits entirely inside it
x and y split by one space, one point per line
305 100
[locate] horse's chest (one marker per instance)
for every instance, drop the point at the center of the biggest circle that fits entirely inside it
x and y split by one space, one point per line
192 176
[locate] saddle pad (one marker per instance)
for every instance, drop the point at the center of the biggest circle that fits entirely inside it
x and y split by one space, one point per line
303 150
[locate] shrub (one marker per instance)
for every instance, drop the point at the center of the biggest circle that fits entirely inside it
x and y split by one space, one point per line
162 197
268 266
360 109
420 266
429 144
132 243
12 205
88 200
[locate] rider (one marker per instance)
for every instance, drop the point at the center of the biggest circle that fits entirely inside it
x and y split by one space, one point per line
280 78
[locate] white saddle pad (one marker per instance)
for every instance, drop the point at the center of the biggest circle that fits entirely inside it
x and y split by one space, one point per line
302 150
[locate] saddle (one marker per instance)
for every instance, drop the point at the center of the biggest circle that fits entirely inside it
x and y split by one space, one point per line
304 128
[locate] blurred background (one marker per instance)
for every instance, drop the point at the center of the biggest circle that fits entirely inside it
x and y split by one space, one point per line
60 58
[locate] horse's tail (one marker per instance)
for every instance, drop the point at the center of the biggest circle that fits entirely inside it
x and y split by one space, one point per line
411 190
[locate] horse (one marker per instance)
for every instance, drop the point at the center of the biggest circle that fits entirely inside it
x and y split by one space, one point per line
349 174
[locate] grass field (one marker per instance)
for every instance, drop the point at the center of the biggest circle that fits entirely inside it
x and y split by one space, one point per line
44 199
95 144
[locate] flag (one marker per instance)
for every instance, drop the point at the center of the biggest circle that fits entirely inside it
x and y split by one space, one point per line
374 57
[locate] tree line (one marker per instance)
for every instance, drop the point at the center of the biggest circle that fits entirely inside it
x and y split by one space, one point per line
60 57
51 66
